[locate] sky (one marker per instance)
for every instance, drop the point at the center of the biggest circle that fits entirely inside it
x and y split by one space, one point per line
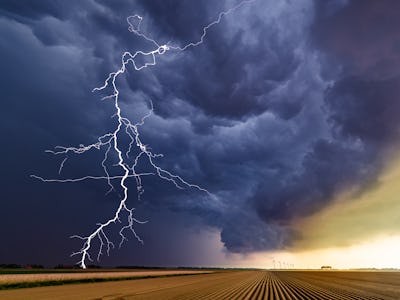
287 114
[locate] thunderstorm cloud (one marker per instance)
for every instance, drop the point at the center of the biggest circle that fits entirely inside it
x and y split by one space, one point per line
284 106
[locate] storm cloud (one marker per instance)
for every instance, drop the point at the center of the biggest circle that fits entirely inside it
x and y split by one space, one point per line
284 105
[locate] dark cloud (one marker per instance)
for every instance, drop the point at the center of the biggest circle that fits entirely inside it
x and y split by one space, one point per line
366 109
35 10
362 37
282 107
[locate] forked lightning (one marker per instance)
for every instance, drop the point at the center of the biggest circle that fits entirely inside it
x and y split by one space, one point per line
112 142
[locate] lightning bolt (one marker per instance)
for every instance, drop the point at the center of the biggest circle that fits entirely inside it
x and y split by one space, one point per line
112 142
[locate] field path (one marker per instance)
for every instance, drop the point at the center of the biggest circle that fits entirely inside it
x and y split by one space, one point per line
235 285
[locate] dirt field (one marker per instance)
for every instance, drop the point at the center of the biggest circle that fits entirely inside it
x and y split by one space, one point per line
231 285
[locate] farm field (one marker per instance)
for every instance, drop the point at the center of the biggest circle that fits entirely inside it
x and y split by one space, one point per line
231 285
16 278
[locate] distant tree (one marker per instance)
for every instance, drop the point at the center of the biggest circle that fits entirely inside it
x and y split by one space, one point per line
33 266
93 267
10 266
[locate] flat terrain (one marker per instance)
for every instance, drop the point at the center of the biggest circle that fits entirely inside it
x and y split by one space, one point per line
230 285
15 278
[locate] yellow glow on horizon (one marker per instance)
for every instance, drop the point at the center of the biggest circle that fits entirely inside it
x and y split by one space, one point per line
356 218
380 253
355 231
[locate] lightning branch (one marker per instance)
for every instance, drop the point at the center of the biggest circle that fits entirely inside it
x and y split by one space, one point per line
127 162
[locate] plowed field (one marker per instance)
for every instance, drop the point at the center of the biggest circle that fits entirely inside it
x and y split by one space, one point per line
306 285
